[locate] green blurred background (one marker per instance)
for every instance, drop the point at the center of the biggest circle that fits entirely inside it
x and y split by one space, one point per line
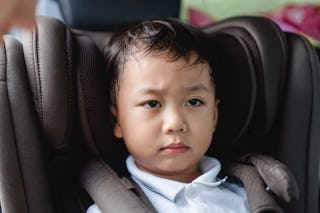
220 9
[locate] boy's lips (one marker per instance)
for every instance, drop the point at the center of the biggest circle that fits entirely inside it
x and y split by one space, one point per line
175 148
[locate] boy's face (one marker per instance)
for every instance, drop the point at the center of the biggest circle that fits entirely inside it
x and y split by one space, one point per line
166 114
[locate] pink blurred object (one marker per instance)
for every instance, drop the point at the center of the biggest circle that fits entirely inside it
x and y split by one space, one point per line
285 27
198 18
306 18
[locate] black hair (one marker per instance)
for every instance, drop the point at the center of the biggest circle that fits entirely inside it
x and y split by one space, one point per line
157 36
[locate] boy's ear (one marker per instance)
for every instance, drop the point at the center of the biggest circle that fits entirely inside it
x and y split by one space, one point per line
117 132
216 113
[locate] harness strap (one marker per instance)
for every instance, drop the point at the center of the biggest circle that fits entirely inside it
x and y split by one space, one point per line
276 175
111 193
114 194
259 199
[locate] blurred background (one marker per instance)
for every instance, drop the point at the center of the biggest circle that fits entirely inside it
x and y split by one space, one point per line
301 16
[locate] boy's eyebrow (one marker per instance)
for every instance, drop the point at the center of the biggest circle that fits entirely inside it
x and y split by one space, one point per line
148 90
197 88
193 88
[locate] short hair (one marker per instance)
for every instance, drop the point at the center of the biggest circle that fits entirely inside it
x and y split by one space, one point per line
152 37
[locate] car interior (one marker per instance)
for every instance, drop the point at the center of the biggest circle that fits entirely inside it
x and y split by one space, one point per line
56 144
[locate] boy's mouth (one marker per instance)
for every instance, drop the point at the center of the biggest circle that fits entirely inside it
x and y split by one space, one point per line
175 148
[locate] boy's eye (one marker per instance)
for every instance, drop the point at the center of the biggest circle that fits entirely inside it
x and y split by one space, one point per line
194 102
152 104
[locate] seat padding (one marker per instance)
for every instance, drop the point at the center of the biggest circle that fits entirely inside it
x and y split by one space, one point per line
48 52
299 123
267 46
23 179
93 107
237 102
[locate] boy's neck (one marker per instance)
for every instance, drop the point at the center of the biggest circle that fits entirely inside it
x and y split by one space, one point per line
184 177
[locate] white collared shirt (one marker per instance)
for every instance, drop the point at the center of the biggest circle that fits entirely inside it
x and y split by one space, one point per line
207 193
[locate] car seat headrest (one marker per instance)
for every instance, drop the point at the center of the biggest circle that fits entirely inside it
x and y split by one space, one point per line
235 84
65 73
266 46
48 54
106 15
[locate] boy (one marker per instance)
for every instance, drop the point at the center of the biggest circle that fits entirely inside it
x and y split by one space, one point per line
165 108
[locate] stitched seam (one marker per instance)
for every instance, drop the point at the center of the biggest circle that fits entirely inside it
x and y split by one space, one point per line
69 85
35 41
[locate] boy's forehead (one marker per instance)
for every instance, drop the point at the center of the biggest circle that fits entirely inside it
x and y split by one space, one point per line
156 65
188 62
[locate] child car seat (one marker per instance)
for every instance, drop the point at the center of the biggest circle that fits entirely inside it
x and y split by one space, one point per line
42 149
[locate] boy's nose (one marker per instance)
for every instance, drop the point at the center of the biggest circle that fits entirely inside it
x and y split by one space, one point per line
174 121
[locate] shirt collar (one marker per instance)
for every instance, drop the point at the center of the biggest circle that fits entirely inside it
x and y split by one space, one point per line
169 188
210 168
